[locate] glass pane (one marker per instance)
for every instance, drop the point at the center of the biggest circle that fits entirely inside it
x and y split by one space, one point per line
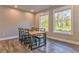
44 22
63 21
67 20
59 23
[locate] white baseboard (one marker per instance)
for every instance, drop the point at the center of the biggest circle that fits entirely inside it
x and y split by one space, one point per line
64 40
7 38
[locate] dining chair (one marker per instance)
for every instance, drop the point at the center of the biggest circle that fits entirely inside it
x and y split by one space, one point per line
26 39
20 34
41 37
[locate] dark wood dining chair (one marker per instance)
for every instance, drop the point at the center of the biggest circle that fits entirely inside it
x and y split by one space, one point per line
41 37
26 39
23 33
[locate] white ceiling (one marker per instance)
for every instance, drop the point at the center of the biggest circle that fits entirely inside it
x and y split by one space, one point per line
35 8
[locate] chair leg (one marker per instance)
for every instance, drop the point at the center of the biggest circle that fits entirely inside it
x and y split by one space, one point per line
39 42
35 41
31 43
31 46
45 38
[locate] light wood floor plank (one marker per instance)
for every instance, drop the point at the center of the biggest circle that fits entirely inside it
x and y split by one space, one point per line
14 46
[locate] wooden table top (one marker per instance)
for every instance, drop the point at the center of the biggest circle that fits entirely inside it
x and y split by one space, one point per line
36 32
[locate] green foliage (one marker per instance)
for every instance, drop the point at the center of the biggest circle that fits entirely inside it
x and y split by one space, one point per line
64 25
63 21
44 23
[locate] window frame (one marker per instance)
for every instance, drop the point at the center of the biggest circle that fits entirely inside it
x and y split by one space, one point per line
43 14
54 21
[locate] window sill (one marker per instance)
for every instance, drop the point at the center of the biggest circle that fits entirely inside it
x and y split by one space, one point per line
66 33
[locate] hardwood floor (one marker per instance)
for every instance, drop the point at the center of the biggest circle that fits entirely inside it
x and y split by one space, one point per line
14 46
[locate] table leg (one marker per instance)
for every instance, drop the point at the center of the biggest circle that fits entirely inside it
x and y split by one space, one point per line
31 43
45 38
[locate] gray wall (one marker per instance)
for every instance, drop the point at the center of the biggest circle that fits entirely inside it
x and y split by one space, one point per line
11 19
74 36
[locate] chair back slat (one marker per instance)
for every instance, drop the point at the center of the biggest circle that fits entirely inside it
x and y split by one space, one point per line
23 33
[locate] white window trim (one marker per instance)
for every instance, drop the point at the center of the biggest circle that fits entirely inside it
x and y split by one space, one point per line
42 14
60 9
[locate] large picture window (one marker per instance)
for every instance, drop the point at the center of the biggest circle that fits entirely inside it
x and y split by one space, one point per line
63 20
43 21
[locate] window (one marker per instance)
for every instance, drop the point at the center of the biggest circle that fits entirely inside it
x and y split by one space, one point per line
43 21
63 20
